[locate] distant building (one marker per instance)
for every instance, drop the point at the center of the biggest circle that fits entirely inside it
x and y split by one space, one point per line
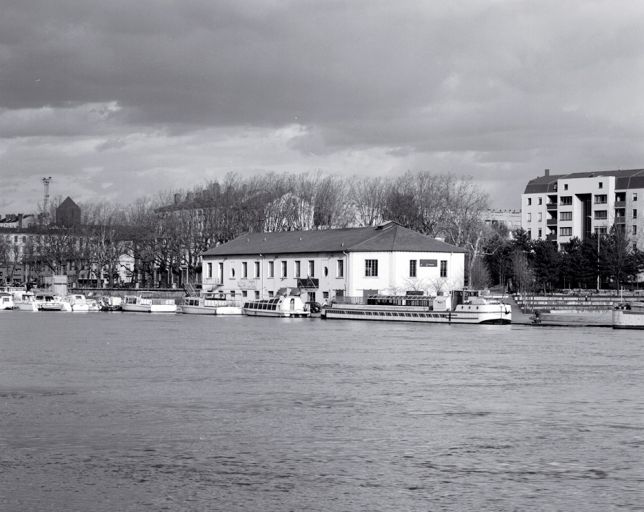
511 219
561 207
330 263
68 214
17 220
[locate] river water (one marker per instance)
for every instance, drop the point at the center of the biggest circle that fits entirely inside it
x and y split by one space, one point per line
129 412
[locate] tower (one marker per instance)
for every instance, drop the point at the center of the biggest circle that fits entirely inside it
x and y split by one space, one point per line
45 200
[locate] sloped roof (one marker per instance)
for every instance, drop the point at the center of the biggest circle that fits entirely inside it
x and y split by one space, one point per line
388 237
624 179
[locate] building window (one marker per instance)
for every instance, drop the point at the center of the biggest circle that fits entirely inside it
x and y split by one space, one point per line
298 268
232 271
601 184
271 269
529 201
529 234
256 294
601 198
326 271
371 268
284 269
244 293
635 214
220 275
443 268
209 270
232 294
634 229
325 295
244 269
541 200
601 214
256 269
565 215
340 268
565 186
412 268
529 217
565 231
540 232
565 200
634 196
270 293
601 230
540 218
311 268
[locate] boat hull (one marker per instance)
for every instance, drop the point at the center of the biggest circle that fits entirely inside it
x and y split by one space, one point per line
149 308
624 319
348 312
26 306
211 310
278 314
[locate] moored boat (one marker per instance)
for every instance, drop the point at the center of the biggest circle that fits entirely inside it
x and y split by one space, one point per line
6 301
109 303
443 309
75 302
285 304
24 301
148 304
48 302
629 315
210 304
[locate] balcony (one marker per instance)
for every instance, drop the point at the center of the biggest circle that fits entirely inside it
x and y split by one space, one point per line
620 204
551 206
620 219
551 222
551 238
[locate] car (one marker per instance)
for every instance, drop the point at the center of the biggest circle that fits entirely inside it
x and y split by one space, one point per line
314 307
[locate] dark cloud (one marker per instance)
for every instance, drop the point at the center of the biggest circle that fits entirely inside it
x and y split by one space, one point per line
486 88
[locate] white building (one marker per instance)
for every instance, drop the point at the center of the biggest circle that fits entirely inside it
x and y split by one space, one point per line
562 207
388 259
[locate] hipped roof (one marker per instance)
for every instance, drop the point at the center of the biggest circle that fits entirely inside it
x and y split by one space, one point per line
387 237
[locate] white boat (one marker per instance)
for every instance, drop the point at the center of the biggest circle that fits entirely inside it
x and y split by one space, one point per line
455 308
283 305
6 301
48 302
210 304
629 315
148 304
76 303
24 301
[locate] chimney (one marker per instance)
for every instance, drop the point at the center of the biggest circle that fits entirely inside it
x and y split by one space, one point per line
177 198
547 172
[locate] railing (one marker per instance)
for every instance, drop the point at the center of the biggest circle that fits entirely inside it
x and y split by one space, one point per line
551 238
350 300
551 222
620 203
620 219
551 206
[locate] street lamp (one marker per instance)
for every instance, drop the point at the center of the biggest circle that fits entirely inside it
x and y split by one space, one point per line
598 247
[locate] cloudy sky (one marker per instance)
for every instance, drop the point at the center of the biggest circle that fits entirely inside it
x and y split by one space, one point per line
119 99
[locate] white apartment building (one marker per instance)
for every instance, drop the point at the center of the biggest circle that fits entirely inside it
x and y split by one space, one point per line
562 207
387 259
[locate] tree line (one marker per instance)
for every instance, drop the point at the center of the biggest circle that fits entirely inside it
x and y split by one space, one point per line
163 236
601 261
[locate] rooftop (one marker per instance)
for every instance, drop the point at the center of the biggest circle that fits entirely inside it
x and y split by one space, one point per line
386 237
624 179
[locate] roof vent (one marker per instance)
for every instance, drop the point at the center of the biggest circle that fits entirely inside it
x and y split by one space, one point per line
546 172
